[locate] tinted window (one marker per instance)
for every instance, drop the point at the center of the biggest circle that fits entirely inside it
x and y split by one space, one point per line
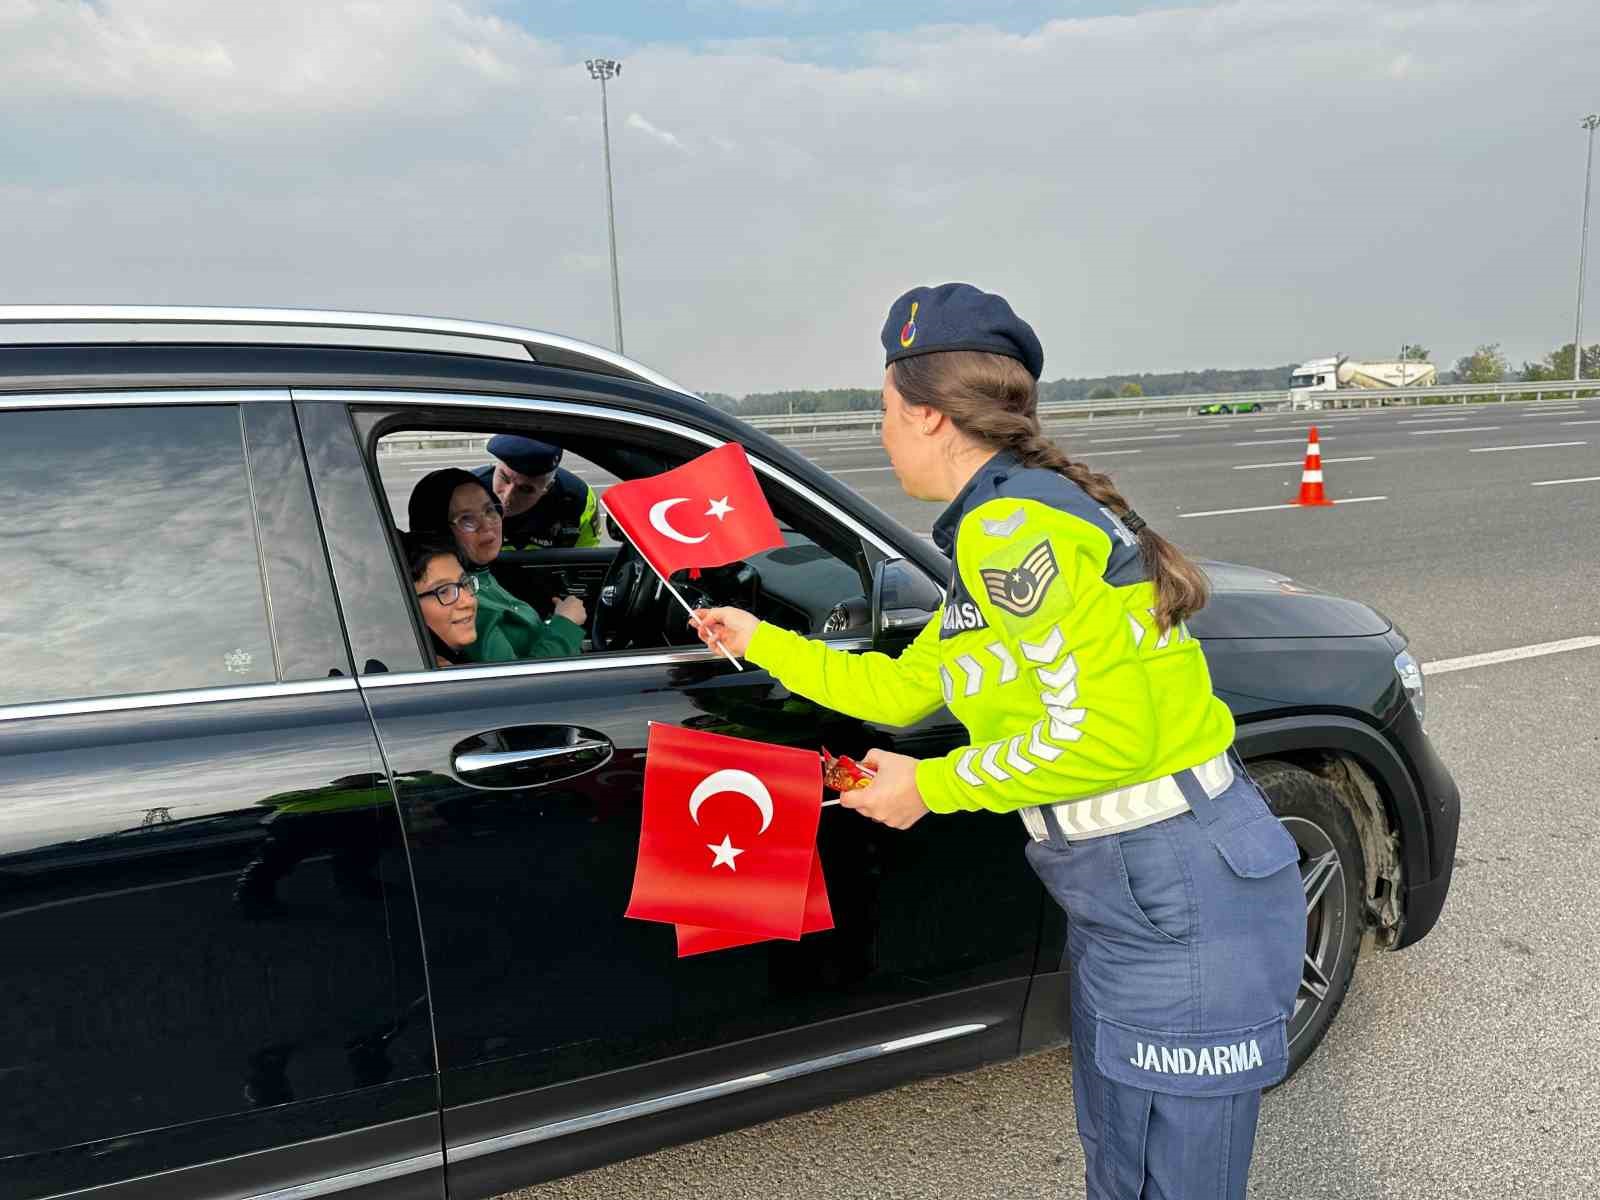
129 554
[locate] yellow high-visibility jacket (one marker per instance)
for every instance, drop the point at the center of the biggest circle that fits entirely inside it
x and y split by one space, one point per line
1046 649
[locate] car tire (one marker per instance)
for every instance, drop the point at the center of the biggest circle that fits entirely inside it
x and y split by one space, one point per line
1333 869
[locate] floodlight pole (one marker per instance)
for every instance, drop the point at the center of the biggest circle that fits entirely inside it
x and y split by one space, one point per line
1591 122
603 69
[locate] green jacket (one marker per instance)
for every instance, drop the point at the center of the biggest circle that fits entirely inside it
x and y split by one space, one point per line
509 629
1046 649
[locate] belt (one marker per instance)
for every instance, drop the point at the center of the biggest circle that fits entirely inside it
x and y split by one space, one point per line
1126 808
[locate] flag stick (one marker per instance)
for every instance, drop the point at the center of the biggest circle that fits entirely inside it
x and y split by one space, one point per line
685 604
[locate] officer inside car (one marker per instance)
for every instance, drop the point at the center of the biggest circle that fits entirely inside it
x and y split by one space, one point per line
1063 650
546 506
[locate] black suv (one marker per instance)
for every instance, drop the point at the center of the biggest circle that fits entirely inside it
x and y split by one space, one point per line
286 910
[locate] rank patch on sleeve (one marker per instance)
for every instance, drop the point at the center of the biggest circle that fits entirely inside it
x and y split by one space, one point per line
1021 590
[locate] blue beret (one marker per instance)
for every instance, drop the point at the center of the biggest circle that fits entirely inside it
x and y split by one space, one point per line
957 316
525 455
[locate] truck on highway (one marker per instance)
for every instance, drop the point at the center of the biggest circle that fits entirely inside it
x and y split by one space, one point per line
1311 379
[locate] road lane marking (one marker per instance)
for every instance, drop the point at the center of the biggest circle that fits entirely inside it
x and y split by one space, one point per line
1281 442
1223 512
1445 665
1524 446
854 471
1110 453
1429 420
1301 462
1147 437
1463 429
1591 422
1580 479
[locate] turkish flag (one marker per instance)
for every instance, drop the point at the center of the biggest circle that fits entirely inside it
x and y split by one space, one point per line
698 939
728 838
708 512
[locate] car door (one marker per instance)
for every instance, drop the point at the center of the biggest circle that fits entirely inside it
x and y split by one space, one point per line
568 1034
213 980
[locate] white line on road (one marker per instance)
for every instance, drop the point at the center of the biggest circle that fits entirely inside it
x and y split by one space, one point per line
1445 665
852 471
1552 412
1281 442
1148 437
1429 420
1223 512
1591 422
1580 479
1524 446
1463 429
1109 453
1300 462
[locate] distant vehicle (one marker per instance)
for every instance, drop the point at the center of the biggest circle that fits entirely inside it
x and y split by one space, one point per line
1207 410
1320 375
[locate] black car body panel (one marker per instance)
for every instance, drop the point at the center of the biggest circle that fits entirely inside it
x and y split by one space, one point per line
278 935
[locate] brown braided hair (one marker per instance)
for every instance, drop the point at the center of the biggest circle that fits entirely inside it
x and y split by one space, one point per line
995 402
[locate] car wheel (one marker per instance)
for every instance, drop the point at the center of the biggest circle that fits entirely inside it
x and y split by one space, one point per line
1333 871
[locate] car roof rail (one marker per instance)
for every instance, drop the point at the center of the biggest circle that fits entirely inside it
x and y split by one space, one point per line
541 347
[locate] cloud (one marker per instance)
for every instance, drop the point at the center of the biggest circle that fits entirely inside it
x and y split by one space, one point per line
1244 183
635 121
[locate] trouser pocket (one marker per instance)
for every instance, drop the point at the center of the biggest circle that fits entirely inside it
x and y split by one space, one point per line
1222 1063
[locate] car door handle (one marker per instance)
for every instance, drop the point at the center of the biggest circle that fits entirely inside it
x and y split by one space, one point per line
488 760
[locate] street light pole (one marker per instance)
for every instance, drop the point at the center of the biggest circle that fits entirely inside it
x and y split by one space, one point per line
603 69
1591 122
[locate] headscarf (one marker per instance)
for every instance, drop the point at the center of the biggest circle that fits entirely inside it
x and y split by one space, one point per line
429 507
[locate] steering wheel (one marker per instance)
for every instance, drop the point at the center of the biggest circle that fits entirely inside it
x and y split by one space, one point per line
624 601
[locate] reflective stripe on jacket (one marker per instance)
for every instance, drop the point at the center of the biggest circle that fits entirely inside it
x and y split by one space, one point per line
1046 649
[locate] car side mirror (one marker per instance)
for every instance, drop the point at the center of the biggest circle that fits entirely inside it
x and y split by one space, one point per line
903 601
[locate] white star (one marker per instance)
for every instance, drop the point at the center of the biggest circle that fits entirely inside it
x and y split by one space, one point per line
725 853
719 509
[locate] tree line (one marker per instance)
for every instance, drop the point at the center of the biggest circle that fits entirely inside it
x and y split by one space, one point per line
1486 364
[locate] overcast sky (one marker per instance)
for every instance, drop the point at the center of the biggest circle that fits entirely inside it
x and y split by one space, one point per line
1154 187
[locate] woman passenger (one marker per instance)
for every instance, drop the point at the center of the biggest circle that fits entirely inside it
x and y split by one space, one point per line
456 505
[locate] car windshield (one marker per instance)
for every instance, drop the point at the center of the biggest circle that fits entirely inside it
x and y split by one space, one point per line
1300 381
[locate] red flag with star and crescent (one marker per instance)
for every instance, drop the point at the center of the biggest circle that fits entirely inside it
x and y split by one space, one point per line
728 840
706 513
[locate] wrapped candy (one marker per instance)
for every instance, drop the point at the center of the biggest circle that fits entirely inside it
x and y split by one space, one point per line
844 774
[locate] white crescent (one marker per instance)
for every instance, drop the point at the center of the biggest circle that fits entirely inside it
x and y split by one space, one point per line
729 780
658 518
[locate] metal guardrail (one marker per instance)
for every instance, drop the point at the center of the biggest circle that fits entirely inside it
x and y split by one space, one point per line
869 419
1510 391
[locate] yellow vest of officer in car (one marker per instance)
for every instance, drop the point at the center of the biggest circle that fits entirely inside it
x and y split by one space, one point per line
1048 651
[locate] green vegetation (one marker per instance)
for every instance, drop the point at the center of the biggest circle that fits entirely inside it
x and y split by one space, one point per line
1486 364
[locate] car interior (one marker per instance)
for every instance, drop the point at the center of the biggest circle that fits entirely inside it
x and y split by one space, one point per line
816 584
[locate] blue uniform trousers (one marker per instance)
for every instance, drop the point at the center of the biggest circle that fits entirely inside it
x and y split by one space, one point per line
1185 941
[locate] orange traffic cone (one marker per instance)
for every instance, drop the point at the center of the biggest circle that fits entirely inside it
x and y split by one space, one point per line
1311 493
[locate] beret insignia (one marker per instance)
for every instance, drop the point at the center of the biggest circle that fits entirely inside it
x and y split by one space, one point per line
908 331
1021 590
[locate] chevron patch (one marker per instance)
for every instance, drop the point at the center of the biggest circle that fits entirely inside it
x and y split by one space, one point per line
1021 590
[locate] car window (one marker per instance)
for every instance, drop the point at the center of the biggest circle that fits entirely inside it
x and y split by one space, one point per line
130 554
815 584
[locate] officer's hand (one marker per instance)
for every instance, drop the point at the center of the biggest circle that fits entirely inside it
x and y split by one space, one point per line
572 609
730 626
892 797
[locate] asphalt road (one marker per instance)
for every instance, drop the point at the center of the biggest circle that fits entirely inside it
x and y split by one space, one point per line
1462 1067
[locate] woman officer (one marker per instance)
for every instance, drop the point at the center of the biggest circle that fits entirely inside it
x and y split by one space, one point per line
1062 648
